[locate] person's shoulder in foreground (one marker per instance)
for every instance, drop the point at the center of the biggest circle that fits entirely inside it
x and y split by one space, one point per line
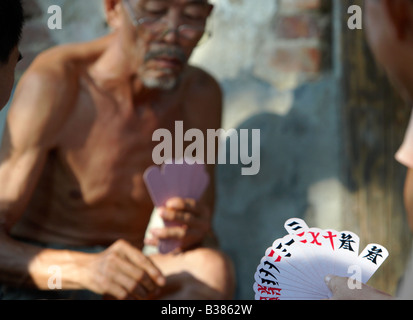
389 28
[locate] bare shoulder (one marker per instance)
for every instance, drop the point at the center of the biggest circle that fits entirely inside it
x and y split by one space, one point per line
201 82
45 95
204 97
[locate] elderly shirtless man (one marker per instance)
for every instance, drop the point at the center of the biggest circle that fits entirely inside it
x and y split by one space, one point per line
78 139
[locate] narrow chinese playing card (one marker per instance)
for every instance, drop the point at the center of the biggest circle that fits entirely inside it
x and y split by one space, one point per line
176 179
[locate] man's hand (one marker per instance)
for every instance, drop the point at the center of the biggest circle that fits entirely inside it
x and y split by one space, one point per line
341 290
191 223
123 272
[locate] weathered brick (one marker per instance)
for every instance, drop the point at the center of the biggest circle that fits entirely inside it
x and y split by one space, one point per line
296 59
298 26
295 5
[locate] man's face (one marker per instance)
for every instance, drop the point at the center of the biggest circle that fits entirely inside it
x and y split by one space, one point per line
165 34
7 77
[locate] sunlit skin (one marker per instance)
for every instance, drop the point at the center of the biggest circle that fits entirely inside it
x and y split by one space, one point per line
78 139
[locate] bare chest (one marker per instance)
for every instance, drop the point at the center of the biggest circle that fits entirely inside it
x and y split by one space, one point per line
106 150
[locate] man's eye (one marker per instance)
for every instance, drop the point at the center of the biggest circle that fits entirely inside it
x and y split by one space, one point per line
193 17
196 13
155 8
156 12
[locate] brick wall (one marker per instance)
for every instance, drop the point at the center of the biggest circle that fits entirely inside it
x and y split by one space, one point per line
284 42
297 48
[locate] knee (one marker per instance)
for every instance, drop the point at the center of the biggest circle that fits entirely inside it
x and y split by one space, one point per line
217 270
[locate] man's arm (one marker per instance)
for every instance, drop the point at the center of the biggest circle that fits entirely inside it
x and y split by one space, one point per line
38 112
40 109
34 119
203 111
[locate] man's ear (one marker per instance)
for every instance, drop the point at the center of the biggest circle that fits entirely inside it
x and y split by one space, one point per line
401 15
113 11
211 8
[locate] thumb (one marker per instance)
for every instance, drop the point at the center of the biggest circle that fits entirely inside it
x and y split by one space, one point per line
335 283
343 289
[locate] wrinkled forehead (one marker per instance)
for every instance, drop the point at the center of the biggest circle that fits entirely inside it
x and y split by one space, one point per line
169 2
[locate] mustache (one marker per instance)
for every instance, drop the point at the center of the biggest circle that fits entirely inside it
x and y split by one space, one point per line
170 52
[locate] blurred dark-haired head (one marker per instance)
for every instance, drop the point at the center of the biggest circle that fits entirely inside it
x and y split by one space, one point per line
11 24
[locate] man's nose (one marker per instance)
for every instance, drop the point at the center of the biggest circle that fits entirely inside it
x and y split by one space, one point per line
171 34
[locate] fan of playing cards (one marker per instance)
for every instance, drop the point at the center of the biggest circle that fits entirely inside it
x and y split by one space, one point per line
177 178
295 266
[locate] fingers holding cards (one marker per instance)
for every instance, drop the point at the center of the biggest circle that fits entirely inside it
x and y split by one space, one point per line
295 266
175 189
